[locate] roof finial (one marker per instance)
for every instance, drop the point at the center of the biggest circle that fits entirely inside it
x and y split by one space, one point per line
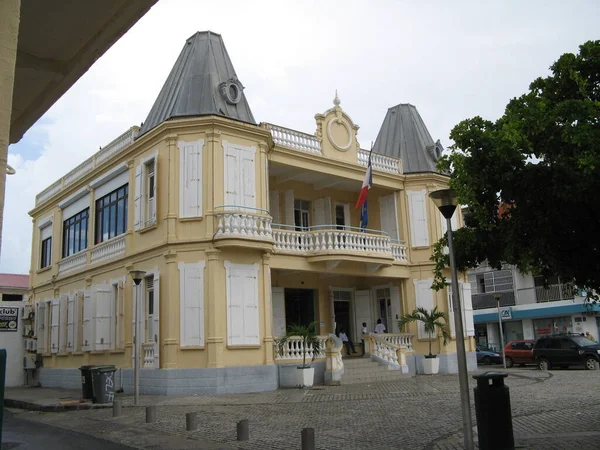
336 100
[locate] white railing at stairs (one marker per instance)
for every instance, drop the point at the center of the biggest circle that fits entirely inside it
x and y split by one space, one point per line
380 162
115 147
241 221
294 348
148 355
388 353
404 339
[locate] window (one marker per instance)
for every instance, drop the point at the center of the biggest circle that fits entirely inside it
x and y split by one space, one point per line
111 214
242 304
340 217
301 214
12 297
150 193
46 259
149 322
75 233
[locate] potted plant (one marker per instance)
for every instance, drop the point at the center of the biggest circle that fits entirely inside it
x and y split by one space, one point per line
305 374
432 321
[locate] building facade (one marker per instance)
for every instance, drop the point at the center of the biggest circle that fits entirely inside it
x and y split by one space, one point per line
242 228
528 308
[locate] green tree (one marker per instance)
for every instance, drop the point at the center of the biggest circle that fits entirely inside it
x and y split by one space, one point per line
308 337
432 320
531 179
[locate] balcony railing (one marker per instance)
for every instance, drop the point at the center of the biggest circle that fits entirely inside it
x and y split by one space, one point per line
113 148
483 301
295 139
380 162
73 262
243 222
555 293
294 349
109 249
331 239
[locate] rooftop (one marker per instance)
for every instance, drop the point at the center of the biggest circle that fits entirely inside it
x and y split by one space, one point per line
14 281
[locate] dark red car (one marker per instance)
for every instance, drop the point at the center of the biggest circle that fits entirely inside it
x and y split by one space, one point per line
519 352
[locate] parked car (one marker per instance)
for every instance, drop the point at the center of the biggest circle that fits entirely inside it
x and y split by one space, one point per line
486 356
565 350
519 352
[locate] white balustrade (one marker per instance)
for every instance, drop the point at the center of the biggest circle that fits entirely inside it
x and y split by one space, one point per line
73 262
113 148
386 351
243 224
148 354
295 139
398 251
108 250
292 241
294 349
380 162
404 339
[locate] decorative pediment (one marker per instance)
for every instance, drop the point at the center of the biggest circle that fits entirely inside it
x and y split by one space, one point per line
338 133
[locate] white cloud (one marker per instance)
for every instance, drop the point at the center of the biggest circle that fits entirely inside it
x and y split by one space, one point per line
452 60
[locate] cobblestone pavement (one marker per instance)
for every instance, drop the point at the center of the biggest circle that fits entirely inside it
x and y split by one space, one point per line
551 410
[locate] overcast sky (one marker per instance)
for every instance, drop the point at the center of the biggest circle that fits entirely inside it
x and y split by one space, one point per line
451 59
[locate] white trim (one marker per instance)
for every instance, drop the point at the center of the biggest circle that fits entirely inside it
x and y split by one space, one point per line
73 198
330 136
149 157
46 221
76 207
103 179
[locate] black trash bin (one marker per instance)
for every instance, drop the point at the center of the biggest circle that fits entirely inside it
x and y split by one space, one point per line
86 382
492 409
103 382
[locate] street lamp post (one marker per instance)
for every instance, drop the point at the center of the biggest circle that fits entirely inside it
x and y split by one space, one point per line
137 276
446 201
497 297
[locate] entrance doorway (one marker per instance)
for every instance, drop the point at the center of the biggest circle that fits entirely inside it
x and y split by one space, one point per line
384 307
299 306
342 312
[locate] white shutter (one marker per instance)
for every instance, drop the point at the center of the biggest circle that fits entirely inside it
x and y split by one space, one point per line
347 221
321 212
232 176
55 324
137 199
395 304
88 326
242 304
251 318
362 312
278 307
191 303
152 203
78 314
190 178
103 299
41 333
424 298
453 222
388 213
289 207
467 304
248 177
62 326
120 322
274 205
156 320
451 311
418 218
71 321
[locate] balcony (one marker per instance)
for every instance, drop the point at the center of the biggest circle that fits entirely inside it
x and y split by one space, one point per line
483 301
104 251
325 240
555 293
242 223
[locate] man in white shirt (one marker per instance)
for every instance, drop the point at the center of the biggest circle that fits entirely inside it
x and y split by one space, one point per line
347 342
364 331
380 328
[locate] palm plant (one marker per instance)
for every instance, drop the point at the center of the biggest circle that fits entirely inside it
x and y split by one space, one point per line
431 320
307 336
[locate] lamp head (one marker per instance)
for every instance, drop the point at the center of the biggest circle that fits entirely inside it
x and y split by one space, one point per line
137 276
446 201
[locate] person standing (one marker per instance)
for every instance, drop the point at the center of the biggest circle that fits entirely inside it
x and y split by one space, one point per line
364 331
380 327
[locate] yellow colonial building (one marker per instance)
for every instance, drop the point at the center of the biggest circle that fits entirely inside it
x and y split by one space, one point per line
242 228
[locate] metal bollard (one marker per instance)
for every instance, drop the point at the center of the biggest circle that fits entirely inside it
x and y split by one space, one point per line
492 409
243 430
308 439
191 423
117 408
150 414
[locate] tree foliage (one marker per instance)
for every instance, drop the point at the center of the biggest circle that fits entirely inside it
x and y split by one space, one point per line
531 179
432 320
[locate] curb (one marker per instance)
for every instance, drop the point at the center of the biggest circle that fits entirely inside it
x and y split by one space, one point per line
29 406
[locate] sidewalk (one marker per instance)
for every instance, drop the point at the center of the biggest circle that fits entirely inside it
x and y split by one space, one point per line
551 410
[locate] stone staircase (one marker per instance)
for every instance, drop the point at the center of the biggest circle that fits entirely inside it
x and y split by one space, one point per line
365 370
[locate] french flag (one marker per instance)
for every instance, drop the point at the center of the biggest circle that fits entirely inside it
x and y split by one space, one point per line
362 196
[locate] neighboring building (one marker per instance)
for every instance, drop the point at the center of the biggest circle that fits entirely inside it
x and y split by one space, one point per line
528 308
14 289
242 229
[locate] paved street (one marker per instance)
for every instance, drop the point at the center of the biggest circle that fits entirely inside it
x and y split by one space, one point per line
551 410
20 434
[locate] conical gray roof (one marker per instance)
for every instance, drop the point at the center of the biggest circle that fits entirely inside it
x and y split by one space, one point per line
404 135
202 82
